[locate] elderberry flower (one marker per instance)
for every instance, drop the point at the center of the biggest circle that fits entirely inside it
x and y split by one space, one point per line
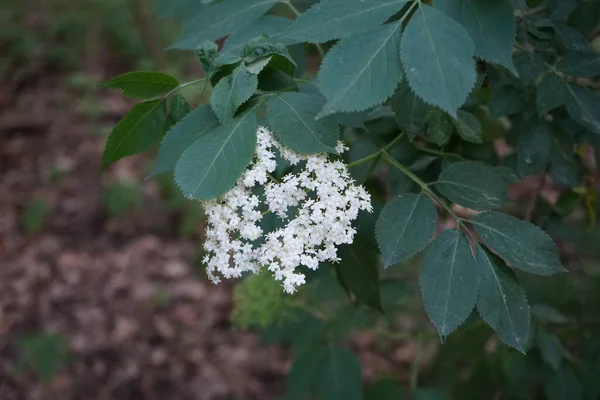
322 195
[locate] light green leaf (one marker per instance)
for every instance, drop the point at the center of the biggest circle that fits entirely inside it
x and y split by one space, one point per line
411 112
214 162
502 303
139 130
268 26
384 390
529 65
506 100
437 54
562 385
405 226
468 127
472 184
583 105
292 117
533 148
430 394
336 19
439 127
551 93
306 372
491 25
360 273
449 281
521 244
217 20
551 349
582 64
342 377
197 123
231 92
142 85
361 71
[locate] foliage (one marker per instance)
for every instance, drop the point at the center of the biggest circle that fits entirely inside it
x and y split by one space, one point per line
43 353
422 92
34 216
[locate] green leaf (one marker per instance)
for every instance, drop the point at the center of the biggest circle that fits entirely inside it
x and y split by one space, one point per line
336 19
551 349
562 385
262 49
306 371
502 303
529 65
384 390
217 20
582 64
449 281
231 92
491 25
360 273
267 26
142 85
472 184
430 394
437 54
468 127
405 226
361 71
196 124
411 112
292 117
583 105
214 162
564 169
207 52
139 130
551 93
178 108
506 100
521 244
545 313
571 38
439 128
533 148
342 377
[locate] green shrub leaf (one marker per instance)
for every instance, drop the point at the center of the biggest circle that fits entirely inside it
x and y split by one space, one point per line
491 25
430 394
551 349
439 127
412 113
306 372
533 148
468 127
336 19
529 65
197 123
581 64
506 100
360 273
405 226
292 117
142 85
521 244
449 281
211 165
384 390
437 54
231 92
583 105
342 376
551 93
502 303
472 184
562 385
269 25
361 71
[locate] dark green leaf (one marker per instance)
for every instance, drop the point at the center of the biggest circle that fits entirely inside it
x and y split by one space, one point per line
502 303
178 108
468 127
197 123
491 25
217 20
506 173
139 130
564 169
213 163
430 394
449 281
274 80
411 112
342 377
506 100
267 26
336 19
562 385
472 184
560 9
437 54
261 49
142 84
306 372
384 390
533 148
583 105
523 245
571 38
360 273
551 93
292 117
361 71
529 65
439 128
582 64
231 92
547 313
405 226
207 51
550 349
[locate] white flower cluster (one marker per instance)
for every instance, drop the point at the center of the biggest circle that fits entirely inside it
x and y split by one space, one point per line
325 201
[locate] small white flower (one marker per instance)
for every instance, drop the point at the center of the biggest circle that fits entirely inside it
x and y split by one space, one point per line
321 197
